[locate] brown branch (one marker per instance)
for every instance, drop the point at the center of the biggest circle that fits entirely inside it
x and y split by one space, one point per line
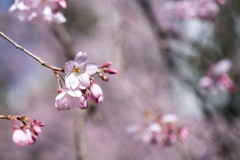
31 54
11 117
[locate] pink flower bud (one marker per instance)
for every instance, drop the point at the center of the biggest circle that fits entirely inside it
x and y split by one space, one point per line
60 90
29 136
183 133
96 91
39 123
112 71
100 99
19 137
83 102
37 129
106 64
63 4
96 94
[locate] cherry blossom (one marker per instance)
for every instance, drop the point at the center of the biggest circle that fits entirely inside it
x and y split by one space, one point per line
217 78
78 72
19 137
202 9
38 10
68 99
162 130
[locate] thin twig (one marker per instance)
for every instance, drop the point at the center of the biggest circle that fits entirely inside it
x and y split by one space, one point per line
11 117
31 54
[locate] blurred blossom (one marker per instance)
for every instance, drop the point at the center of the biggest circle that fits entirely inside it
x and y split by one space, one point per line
217 78
203 9
38 10
169 118
160 129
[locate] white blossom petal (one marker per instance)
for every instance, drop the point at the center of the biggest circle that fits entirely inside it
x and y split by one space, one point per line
69 66
80 58
74 102
91 68
59 18
84 81
61 95
72 81
61 104
221 67
74 93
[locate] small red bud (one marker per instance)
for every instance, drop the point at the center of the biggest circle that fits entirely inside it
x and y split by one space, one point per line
112 71
105 78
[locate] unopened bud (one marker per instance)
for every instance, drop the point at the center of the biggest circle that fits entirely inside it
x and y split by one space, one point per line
106 64
100 75
105 78
37 129
26 118
19 137
29 136
39 123
112 71
60 90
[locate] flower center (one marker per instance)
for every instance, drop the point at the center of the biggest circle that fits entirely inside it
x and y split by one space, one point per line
79 70
68 96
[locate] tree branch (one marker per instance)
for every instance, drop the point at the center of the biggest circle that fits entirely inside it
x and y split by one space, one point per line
31 54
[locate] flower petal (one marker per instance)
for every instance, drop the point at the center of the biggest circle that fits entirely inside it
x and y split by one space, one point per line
74 93
91 68
84 81
61 95
59 18
69 66
72 81
80 58
74 102
61 104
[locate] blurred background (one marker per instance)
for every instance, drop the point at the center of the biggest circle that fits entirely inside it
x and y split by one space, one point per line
161 49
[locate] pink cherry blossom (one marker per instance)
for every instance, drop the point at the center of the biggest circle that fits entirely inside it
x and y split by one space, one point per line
78 71
202 9
217 78
37 10
68 99
160 129
169 118
183 133
19 137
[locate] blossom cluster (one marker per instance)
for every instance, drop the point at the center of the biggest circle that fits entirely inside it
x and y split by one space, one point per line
79 83
27 134
202 9
38 10
162 130
217 78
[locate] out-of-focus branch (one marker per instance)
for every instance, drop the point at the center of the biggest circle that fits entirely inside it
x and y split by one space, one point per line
31 54
11 117
164 49
80 143
64 39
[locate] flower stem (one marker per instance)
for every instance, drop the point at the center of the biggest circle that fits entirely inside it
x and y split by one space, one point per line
31 54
